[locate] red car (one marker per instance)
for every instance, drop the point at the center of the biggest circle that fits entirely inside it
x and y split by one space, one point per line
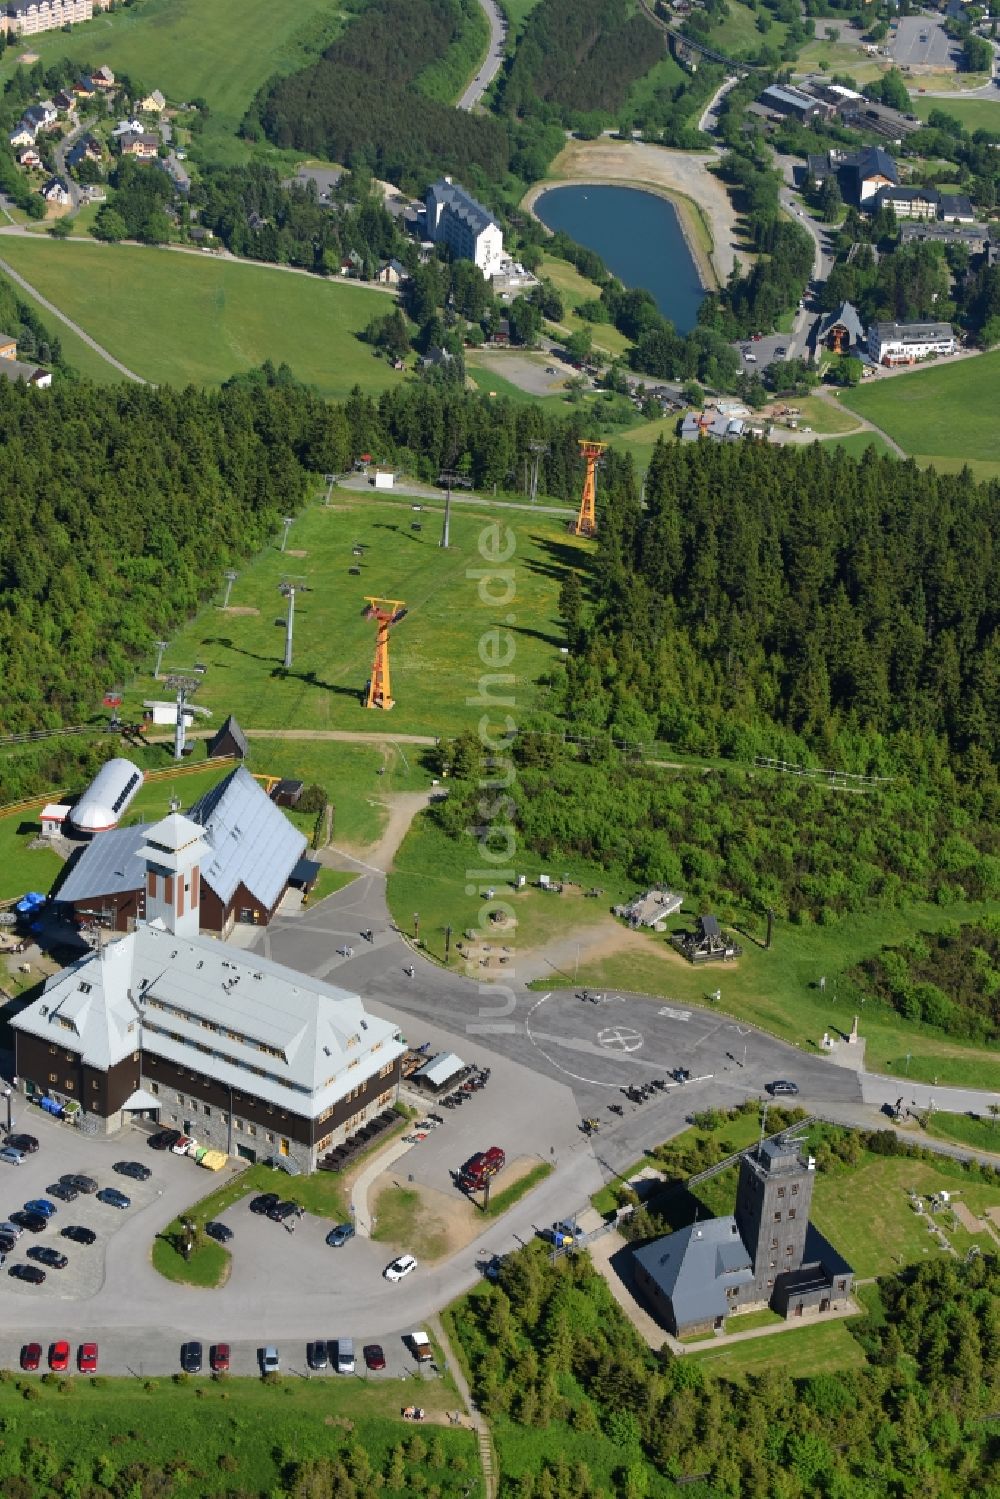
59 1356
86 1358
374 1357
218 1358
31 1356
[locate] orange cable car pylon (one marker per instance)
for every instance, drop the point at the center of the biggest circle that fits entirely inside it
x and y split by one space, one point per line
586 522
387 612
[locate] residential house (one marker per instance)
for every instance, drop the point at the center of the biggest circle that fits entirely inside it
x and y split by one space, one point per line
103 77
470 231
56 191
29 158
41 116
254 1059
127 127
975 237
87 148
860 174
391 273
153 104
84 87
141 145
29 17
437 358
766 1254
910 202
905 343
12 368
841 332
256 221
63 101
22 135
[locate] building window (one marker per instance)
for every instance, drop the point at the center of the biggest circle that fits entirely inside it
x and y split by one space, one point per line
251 1129
772 1264
180 1098
791 1212
770 1281
53 1078
284 1147
68 1085
781 1191
94 1083
795 1189
842 1284
208 1111
52 1051
238 1124
789 1251
154 1087
777 1217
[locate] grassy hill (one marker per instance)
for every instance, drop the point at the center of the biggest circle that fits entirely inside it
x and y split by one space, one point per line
219 50
435 665
180 318
945 414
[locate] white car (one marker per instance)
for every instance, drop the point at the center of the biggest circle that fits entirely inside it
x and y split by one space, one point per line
400 1267
270 1363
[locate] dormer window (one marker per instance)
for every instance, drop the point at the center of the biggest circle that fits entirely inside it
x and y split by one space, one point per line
85 988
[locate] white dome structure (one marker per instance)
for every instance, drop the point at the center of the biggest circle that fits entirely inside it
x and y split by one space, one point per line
107 797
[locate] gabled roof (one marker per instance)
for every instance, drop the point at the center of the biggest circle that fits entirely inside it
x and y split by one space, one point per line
463 205
907 194
108 865
695 1266
872 161
253 842
230 729
847 317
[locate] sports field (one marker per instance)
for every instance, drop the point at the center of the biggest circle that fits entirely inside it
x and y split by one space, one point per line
947 411
180 318
436 662
218 50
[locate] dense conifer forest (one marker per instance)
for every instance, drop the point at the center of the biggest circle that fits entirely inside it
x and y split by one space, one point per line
578 57
552 1355
360 103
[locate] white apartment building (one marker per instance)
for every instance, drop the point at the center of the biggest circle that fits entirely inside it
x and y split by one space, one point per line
468 229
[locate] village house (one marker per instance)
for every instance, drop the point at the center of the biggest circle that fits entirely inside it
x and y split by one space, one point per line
29 158
841 332
56 191
908 202
63 101
103 77
11 368
86 149
391 273
143 146
41 116
153 104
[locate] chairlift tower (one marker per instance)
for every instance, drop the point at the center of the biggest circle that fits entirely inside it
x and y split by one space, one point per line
287 526
586 522
290 587
386 613
184 684
161 646
446 480
537 450
230 578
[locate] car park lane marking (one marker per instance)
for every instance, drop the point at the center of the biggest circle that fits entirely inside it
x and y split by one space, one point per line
674 1014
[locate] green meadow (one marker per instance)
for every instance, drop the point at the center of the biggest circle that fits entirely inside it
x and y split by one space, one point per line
944 414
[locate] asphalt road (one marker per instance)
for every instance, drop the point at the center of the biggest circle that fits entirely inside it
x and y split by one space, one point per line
494 57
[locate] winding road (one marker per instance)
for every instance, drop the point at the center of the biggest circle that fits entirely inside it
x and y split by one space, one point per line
494 56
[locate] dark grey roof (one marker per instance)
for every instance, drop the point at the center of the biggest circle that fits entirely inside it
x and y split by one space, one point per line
695 1266
847 317
232 730
253 842
306 872
709 926
16 369
872 161
906 194
791 98
463 205
955 204
913 332
108 865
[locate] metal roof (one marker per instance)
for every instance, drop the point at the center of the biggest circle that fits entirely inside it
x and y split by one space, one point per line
264 1029
695 1266
253 842
108 794
846 317
109 865
440 1068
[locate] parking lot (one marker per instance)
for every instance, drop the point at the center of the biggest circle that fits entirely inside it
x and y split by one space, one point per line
919 42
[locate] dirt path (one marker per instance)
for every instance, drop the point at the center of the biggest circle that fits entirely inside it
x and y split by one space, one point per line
92 343
587 943
681 176
403 808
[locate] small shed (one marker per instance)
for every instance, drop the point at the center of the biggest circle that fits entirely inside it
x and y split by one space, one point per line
53 816
384 478
287 793
230 740
305 874
440 1072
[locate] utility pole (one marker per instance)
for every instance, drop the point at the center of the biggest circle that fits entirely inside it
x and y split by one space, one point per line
537 449
161 646
446 479
447 944
287 523
330 481
230 578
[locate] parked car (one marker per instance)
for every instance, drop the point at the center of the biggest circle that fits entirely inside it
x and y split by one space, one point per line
26 1144
218 1358
13 1230
46 1255
282 1210
30 1273
31 1357
7 1244
191 1354
342 1354
84 1184
79 1234
270 1363
338 1237
63 1191
59 1356
264 1203
40 1205
493 1267
33 1222
374 1356
11 1156
316 1355
114 1198
220 1232
782 1088
561 1235
86 1358
404 1265
182 1144
164 1139
135 1169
